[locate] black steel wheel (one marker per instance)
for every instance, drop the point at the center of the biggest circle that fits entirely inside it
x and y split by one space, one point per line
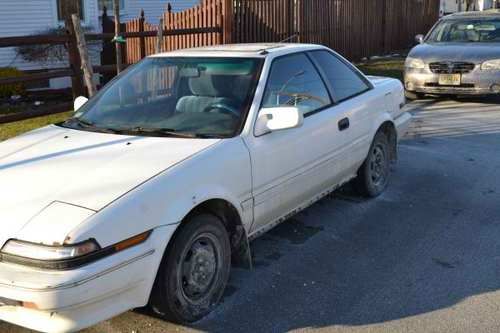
194 271
373 176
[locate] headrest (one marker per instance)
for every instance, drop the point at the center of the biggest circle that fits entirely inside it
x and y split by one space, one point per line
211 85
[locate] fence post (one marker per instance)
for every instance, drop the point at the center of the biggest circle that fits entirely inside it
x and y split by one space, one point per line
384 26
142 40
116 12
227 21
74 60
159 37
84 55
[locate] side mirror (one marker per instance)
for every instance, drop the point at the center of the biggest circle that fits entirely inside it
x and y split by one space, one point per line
419 39
278 118
79 101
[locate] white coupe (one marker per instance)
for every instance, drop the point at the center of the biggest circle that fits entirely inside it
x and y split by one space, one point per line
155 186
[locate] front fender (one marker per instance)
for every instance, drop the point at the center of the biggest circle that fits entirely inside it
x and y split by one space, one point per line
221 172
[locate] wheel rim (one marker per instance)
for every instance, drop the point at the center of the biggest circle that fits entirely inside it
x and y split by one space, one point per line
378 166
199 268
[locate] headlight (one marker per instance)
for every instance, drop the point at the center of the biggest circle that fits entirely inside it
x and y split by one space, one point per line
41 252
491 65
63 257
414 63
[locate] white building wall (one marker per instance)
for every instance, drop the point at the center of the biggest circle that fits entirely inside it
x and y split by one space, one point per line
153 8
451 6
28 17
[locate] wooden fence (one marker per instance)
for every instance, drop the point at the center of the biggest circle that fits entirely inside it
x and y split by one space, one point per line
355 28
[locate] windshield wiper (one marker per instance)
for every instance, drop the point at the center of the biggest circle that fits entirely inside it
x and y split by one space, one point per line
91 126
162 132
172 132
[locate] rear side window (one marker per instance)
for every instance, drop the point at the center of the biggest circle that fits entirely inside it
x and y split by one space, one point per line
294 81
344 81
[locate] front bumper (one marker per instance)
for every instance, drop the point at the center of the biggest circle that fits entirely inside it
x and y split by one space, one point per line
476 82
67 301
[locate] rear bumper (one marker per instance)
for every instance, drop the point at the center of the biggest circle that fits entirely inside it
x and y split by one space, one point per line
476 82
67 301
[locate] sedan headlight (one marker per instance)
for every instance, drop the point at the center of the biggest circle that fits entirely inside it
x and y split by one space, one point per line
491 65
65 256
414 63
42 252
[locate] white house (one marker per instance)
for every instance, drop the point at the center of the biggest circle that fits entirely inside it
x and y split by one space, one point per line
28 17
453 6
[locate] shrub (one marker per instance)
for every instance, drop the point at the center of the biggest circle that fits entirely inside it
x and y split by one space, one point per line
7 90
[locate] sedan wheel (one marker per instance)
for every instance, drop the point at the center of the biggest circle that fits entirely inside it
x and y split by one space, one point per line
194 271
374 174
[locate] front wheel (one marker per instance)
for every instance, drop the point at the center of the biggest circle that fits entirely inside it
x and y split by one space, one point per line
194 272
374 174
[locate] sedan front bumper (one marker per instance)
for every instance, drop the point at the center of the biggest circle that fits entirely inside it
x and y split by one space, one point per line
477 82
67 301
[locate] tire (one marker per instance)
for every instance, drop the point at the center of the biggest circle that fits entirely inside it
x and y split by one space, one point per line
373 176
194 271
413 96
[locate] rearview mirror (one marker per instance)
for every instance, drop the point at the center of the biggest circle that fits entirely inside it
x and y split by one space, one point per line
278 118
79 102
419 39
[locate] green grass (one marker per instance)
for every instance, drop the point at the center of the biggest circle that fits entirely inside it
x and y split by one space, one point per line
384 67
19 127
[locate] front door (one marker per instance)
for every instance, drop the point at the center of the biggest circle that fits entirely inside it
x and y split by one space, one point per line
291 167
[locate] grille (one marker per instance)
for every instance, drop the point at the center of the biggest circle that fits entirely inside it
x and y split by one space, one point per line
451 67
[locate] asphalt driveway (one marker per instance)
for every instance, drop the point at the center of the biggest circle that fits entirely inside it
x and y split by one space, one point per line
423 257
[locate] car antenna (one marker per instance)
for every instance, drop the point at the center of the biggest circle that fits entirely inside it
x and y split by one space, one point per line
264 51
290 38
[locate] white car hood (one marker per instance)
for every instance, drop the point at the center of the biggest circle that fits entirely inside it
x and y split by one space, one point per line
84 169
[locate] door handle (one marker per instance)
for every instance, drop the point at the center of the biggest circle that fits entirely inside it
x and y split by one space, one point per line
343 124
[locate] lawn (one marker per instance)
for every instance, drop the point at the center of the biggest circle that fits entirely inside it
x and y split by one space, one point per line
18 127
391 67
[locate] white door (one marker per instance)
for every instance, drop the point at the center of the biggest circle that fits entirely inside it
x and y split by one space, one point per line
291 166
354 98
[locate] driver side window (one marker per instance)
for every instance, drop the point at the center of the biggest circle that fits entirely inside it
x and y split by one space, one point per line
294 81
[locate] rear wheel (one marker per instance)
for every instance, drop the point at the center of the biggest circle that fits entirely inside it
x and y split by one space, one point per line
374 174
194 272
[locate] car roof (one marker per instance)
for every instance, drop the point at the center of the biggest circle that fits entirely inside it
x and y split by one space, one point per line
242 50
476 14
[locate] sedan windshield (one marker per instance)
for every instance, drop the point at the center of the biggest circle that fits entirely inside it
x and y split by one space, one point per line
466 31
185 97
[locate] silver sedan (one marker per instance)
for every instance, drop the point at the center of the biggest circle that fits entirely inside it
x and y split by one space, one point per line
459 56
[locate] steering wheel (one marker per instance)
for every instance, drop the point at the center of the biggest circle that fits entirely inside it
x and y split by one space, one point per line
222 108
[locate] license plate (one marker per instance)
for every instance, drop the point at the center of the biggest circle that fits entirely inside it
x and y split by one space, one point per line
450 79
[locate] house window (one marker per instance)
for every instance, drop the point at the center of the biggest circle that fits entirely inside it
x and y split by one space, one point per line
68 7
109 5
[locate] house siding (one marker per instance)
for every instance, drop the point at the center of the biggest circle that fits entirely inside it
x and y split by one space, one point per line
153 8
23 18
19 18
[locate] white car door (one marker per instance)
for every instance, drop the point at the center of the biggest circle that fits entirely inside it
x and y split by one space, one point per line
355 99
291 167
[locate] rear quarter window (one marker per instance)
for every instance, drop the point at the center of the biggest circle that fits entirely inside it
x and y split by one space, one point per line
344 81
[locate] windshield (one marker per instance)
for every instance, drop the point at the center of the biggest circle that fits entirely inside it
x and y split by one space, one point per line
188 97
466 31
